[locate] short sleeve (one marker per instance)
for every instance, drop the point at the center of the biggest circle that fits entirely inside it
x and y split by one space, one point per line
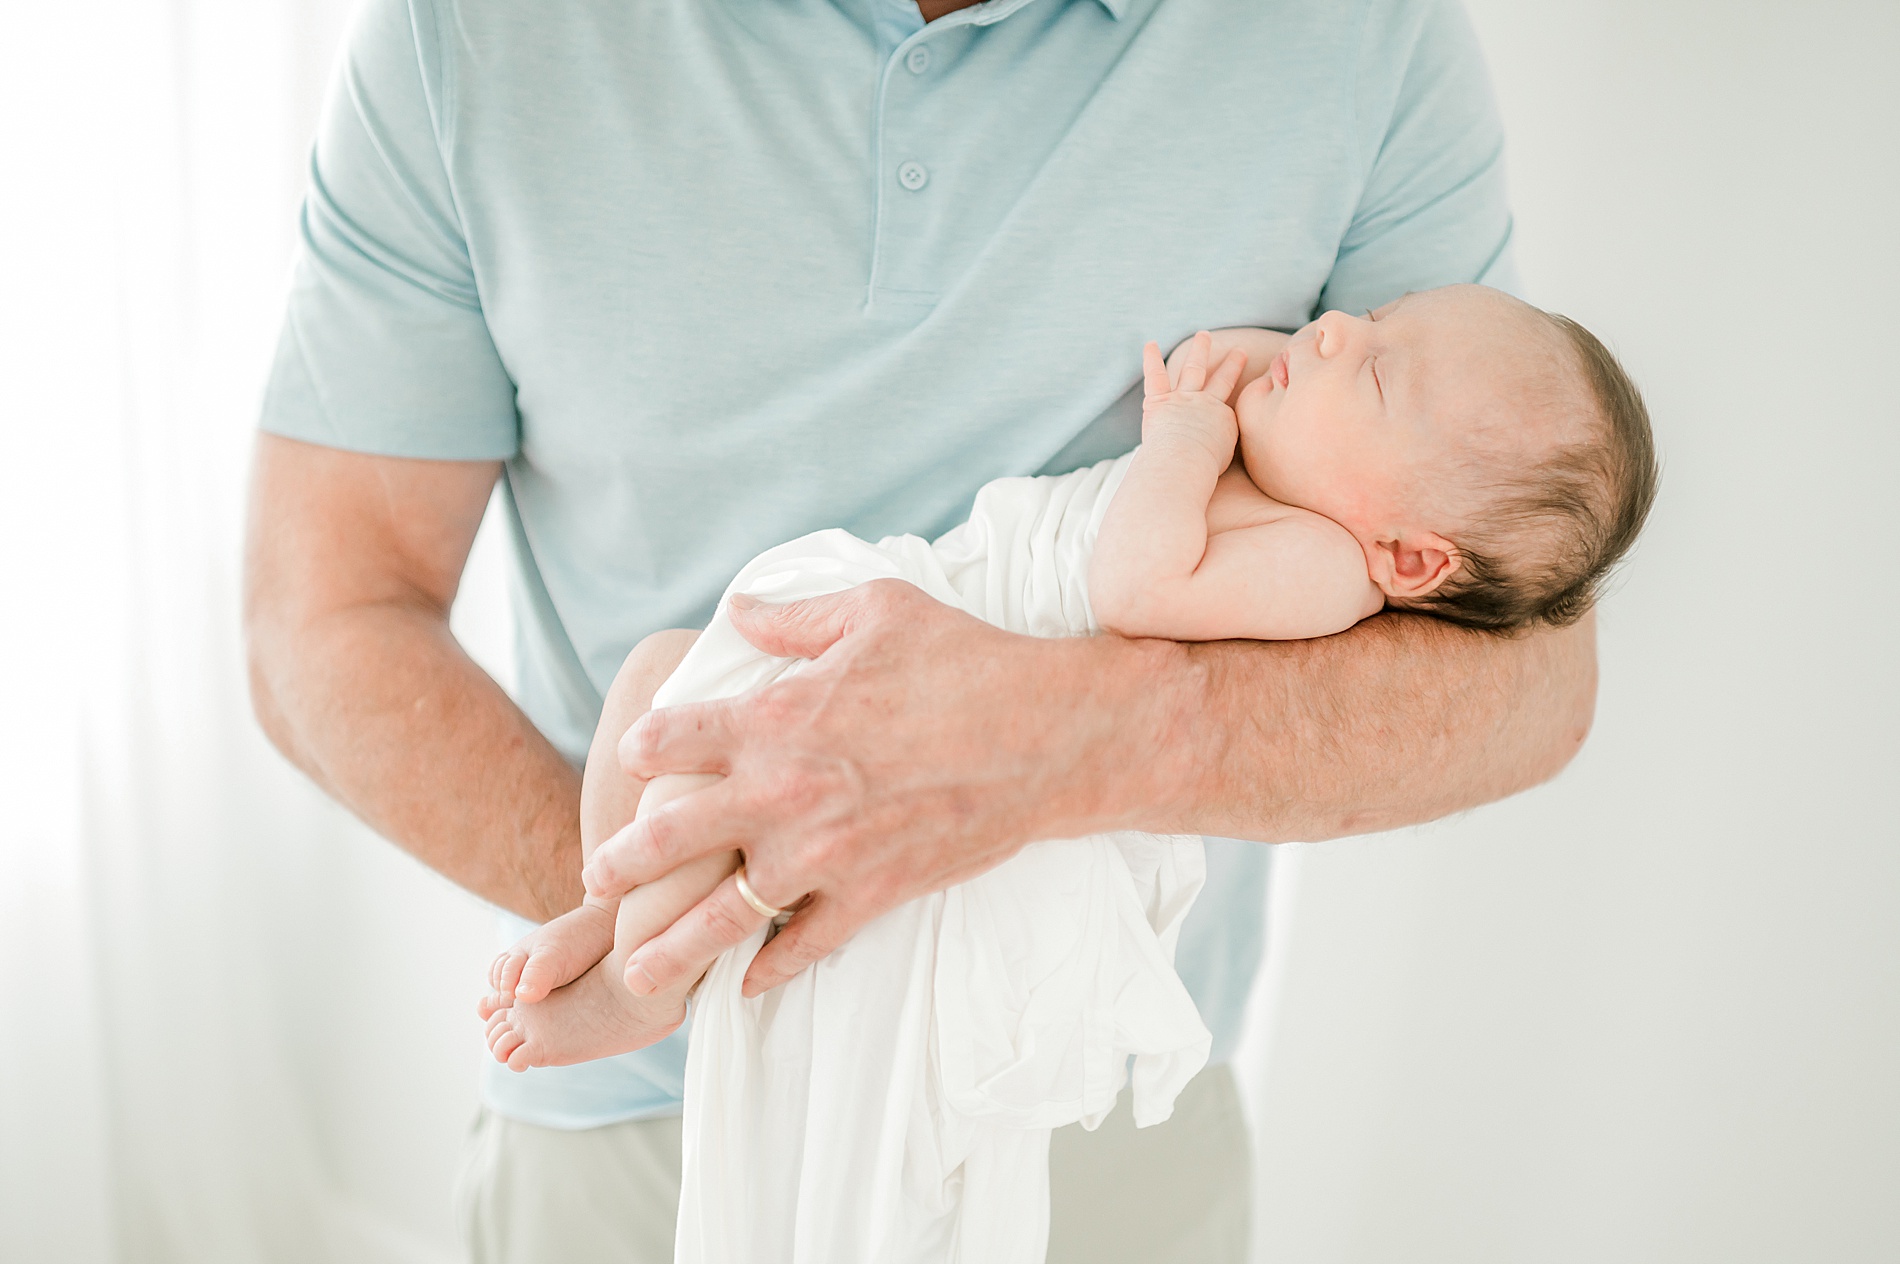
1434 209
384 348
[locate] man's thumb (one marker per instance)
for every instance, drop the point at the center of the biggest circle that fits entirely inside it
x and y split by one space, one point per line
792 629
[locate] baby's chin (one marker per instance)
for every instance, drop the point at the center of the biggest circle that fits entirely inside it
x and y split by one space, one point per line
1259 470
1253 409
1253 448
1270 470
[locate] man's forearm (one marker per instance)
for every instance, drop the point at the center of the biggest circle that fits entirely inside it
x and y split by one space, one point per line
1401 720
381 707
921 746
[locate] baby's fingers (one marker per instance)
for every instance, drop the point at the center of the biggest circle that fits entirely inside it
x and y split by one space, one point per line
1227 374
1154 373
1194 367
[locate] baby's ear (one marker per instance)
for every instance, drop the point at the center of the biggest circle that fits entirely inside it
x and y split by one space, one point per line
1412 566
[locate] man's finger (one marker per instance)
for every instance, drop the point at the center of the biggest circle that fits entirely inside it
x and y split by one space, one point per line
813 933
682 952
664 839
800 629
692 737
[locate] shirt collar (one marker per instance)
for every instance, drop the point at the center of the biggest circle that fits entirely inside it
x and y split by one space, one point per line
1115 8
996 10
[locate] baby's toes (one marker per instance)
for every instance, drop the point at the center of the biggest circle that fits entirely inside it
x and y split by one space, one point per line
541 973
502 1036
508 1043
511 965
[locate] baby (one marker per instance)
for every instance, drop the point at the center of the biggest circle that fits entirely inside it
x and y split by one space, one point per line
1456 452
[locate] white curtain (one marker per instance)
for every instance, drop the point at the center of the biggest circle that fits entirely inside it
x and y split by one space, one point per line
239 1028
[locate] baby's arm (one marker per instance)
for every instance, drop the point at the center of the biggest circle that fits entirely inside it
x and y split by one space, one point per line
1296 577
1157 573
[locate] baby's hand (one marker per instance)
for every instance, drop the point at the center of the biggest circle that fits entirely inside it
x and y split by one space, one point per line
1194 408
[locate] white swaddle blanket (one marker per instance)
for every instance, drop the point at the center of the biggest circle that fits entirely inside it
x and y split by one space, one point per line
893 1102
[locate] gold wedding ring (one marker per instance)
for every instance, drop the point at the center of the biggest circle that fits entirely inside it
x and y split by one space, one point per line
751 897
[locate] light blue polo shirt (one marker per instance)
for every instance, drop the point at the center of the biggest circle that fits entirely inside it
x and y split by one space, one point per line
710 274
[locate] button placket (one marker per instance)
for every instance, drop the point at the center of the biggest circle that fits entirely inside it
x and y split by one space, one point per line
898 274
912 174
902 272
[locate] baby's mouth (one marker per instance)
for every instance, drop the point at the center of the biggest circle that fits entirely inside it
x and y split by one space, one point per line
1279 372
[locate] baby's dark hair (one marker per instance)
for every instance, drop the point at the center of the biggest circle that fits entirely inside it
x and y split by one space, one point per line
1553 534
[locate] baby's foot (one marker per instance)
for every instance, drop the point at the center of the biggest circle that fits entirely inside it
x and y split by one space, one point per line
550 957
593 1017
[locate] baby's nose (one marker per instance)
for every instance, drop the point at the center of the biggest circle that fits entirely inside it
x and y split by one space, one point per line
1332 333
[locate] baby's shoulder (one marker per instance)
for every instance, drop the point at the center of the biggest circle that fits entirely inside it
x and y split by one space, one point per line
1238 503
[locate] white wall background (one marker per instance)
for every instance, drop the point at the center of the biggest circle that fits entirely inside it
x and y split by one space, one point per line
1650 1012
238 1027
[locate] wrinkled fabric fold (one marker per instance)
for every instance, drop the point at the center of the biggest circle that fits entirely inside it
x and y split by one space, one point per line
893 1102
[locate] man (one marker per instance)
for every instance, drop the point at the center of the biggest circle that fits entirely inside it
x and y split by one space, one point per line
693 277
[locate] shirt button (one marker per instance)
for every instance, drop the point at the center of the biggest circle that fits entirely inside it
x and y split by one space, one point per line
913 176
918 60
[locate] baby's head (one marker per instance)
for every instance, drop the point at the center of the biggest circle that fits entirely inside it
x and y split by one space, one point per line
1493 461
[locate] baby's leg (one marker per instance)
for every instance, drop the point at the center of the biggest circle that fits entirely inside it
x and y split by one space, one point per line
556 954
596 1016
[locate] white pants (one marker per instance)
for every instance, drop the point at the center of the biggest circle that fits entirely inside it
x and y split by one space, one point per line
1170 1194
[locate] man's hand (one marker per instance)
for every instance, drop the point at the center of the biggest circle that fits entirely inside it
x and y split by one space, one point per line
919 748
